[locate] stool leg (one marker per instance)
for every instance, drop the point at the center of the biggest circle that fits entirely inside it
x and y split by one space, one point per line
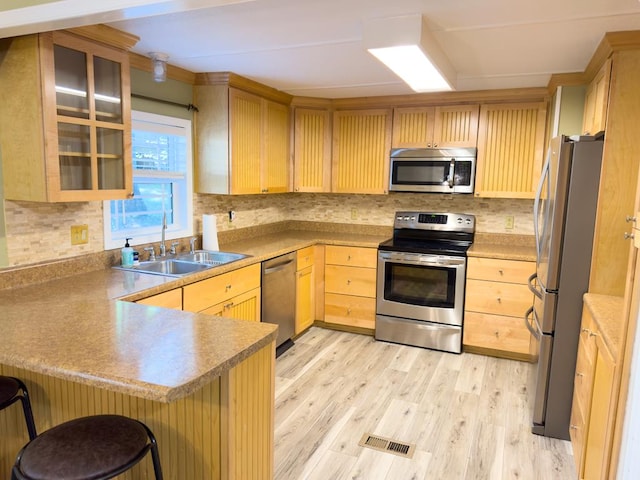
28 413
155 455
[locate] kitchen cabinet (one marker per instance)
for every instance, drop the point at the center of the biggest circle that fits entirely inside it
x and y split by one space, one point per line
305 289
312 150
234 294
596 100
496 299
171 299
242 142
432 127
350 286
510 149
592 412
361 145
65 130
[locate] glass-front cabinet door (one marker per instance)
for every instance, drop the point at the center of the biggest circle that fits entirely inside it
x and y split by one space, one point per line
92 114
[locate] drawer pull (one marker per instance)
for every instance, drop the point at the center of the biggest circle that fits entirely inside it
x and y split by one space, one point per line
228 287
593 334
348 282
501 272
499 300
578 374
585 330
573 427
497 334
348 311
348 258
228 306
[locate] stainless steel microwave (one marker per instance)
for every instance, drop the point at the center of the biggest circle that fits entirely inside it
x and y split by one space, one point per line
435 170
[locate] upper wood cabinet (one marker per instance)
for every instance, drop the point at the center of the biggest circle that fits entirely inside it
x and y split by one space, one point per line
361 146
312 150
242 142
445 126
596 101
510 149
65 129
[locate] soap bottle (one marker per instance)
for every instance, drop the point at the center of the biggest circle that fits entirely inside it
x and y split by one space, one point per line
127 254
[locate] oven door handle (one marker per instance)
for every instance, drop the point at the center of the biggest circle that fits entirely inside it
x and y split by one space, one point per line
422 261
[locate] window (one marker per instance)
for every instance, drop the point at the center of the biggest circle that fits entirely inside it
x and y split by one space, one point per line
162 187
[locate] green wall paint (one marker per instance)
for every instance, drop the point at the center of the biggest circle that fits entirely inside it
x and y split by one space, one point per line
172 90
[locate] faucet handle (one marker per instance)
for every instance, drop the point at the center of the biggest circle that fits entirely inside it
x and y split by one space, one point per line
192 244
172 251
152 253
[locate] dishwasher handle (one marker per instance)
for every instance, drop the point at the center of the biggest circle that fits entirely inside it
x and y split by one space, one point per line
278 267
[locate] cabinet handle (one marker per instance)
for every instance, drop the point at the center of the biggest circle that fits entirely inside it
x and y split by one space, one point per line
348 311
348 258
435 145
593 334
627 236
578 374
629 218
228 287
501 272
130 195
499 300
497 334
228 306
585 330
573 427
348 282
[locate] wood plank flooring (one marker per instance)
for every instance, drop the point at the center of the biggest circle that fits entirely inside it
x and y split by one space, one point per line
468 415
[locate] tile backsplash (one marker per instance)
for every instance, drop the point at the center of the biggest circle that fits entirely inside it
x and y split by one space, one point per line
41 232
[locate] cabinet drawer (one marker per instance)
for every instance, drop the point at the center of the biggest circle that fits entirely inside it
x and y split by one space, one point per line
350 310
498 298
354 256
304 258
350 280
211 291
170 299
583 379
577 426
496 332
497 270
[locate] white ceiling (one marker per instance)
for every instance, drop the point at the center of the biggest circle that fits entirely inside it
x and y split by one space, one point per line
314 47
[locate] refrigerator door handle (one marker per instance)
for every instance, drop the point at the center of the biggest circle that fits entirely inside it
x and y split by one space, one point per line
532 287
535 333
536 203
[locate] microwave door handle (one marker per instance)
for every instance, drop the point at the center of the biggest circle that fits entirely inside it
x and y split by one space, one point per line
452 166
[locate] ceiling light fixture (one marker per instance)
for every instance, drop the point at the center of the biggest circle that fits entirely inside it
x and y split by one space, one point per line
159 66
405 45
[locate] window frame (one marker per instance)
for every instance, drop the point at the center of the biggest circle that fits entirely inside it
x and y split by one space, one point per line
164 124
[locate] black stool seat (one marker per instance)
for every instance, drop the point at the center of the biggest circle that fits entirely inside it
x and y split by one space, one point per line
12 390
90 448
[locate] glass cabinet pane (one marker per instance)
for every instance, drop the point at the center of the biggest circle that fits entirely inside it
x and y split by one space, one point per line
74 153
110 159
108 90
71 82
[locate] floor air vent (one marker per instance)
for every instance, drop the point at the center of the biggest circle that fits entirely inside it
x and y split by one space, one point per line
386 445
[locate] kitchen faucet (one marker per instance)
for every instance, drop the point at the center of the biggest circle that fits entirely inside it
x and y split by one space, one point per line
163 247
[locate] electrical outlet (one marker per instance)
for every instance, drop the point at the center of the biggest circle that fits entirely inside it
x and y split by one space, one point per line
79 234
354 214
232 216
508 222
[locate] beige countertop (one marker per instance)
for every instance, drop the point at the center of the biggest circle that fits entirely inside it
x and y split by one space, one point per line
607 312
80 329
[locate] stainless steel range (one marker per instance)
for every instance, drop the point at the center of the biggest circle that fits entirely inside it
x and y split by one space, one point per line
421 280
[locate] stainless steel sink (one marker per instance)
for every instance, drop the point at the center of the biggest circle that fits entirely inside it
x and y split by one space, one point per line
185 263
209 257
170 267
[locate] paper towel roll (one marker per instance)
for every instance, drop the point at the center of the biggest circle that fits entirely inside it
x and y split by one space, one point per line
209 233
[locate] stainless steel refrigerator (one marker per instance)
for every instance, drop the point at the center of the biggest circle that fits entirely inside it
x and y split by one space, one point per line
564 220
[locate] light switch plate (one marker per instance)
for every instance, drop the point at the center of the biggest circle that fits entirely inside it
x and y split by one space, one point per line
79 234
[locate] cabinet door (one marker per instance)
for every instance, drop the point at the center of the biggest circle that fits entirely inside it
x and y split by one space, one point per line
413 127
171 299
245 306
510 149
361 146
312 150
305 298
245 132
456 126
596 101
599 433
275 161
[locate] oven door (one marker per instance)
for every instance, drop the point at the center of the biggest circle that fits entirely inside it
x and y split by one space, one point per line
421 286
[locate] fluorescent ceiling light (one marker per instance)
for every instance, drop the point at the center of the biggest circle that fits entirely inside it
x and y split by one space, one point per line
407 48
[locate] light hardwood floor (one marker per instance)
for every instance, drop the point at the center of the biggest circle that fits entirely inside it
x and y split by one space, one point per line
468 415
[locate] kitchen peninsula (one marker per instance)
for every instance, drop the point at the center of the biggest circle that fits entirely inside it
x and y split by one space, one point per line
204 385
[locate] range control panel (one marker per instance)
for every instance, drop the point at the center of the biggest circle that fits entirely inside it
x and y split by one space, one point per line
457 222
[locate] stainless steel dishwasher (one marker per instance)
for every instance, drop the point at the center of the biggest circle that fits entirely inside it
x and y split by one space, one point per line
279 297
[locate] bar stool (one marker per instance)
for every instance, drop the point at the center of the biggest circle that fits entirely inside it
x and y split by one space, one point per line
12 390
97 447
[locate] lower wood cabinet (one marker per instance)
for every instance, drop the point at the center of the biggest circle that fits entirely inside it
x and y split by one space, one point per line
592 417
305 289
350 286
171 299
496 299
234 294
